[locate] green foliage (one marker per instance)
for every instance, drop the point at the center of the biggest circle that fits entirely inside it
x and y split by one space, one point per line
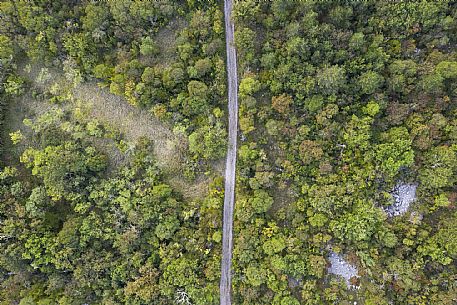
208 142
16 137
273 245
148 47
331 79
65 169
369 82
197 89
442 247
358 225
371 109
248 86
433 83
165 229
6 48
255 275
261 201
395 152
14 85
439 168
338 103
103 71
318 220
447 69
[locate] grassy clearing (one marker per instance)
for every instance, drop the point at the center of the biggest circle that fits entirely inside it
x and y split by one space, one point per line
133 122
166 40
16 111
110 110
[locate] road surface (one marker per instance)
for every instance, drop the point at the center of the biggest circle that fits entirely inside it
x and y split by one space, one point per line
229 197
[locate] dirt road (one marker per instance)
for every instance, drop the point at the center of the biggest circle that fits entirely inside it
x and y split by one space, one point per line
229 199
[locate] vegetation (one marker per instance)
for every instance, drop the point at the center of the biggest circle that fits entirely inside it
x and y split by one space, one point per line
88 214
340 102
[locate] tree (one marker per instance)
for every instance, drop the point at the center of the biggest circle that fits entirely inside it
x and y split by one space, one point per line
331 79
197 89
148 47
65 169
6 48
310 151
274 245
103 71
403 75
439 168
261 201
273 127
208 142
37 203
203 67
16 137
281 103
173 77
359 225
432 83
81 48
256 276
244 39
369 82
395 152
442 246
248 86
167 227
317 264
447 69
357 41
14 85
289 300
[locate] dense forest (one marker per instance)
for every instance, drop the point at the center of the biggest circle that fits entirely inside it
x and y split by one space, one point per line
340 105
113 132
93 211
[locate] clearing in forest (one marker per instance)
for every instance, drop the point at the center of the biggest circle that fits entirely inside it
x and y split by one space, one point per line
114 111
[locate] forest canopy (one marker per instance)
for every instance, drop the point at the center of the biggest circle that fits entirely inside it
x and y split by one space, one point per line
113 124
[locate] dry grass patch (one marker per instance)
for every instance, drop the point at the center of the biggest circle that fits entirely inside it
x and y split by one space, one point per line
110 110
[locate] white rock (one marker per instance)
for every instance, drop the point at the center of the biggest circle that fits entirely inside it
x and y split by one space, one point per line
404 194
339 266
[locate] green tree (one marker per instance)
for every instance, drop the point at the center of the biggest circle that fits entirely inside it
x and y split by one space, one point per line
248 86
6 48
395 151
197 89
208 142
148 47
447 69
274 245
261 201
167 228
358 225
439 168
331 79
65 169
256 276
369 82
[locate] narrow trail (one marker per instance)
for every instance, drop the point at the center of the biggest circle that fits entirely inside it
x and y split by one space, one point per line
229 197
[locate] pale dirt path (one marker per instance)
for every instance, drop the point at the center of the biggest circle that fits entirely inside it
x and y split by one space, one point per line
229 197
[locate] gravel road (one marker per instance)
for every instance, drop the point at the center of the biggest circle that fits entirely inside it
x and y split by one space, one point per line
229 198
